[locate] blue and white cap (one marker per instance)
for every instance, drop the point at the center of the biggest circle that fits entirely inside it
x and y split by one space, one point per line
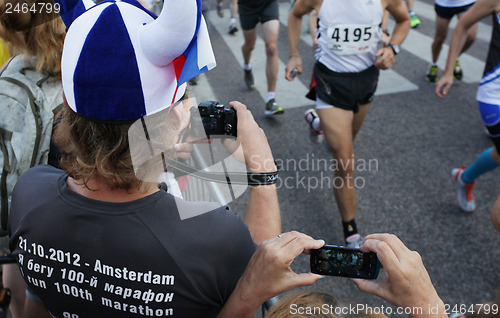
121 63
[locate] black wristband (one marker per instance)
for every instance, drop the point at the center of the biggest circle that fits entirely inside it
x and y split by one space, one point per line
263 178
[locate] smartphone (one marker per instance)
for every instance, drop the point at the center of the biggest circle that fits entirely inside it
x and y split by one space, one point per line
344 261
294 73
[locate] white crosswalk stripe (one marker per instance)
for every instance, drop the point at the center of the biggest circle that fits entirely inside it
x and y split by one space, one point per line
292 94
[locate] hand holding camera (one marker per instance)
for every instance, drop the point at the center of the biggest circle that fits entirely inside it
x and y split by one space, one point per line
269 274
407 283
214 120
344 261
217 120
256 150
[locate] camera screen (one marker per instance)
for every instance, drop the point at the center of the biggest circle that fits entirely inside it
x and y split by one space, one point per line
343 262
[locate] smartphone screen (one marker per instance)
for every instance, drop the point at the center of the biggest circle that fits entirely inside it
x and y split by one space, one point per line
344 261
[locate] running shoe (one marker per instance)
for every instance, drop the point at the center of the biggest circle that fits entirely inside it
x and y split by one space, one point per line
232 28
354 240
414 22
314 135
249 79
432 74
220 12
457 71
464 190
272 108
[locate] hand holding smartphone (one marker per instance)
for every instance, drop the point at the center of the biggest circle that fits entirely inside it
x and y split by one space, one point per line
345 262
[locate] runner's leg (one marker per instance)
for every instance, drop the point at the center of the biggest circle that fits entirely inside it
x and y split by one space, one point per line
337 125
271 31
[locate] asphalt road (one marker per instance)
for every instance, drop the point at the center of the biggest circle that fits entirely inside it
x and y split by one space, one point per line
409 143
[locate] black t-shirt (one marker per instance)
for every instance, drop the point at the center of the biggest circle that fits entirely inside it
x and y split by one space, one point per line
88 258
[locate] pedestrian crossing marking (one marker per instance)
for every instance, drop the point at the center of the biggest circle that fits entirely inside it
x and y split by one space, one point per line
390 82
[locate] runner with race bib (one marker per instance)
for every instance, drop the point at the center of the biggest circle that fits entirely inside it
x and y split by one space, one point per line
345 78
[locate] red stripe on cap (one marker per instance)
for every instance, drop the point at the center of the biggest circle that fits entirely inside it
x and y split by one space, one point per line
178 66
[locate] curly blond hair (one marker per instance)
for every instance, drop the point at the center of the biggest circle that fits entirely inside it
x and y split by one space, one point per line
313 304
40 35
92 149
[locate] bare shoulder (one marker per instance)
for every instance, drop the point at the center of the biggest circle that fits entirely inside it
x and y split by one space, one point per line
481 9
390 3
307 5
316 4
491 6
497 7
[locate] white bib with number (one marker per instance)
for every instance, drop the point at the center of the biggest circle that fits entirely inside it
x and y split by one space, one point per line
348 34
351 39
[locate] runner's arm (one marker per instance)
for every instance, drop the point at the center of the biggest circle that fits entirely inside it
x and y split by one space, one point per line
399 12
479 10
300 8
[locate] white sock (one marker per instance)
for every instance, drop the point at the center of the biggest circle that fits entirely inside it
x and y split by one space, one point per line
232 20
271 95
247 67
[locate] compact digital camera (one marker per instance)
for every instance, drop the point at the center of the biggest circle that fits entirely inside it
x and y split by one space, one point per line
344 261
217 120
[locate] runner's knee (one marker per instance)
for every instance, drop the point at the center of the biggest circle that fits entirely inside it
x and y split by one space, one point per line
248 46
271 49
344 162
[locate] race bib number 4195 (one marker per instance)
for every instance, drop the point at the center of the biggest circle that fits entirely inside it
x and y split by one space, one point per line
351 39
